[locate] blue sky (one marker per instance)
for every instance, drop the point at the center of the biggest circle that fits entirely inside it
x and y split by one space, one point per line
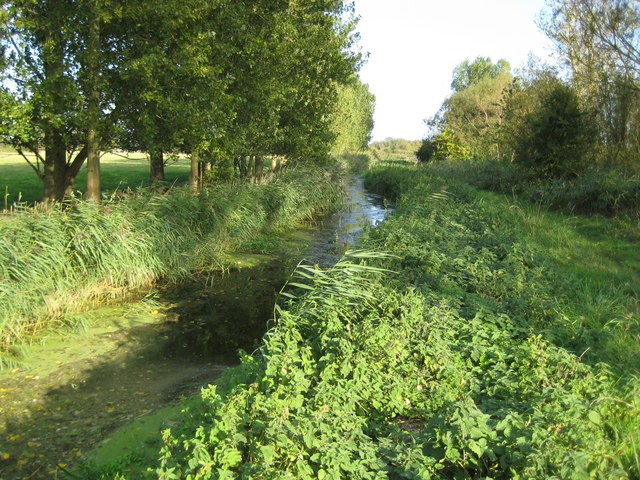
414 46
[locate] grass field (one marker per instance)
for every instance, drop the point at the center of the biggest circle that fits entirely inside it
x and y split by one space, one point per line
19 183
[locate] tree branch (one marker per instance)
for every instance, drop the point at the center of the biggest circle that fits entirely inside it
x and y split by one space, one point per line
26 58
35 168
76 165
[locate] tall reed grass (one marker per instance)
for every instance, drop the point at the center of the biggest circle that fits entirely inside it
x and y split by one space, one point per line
54 261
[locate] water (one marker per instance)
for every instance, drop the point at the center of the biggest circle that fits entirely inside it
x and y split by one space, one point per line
123 373
340 230
232 311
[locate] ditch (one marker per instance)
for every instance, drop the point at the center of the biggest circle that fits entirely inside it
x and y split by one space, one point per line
145 354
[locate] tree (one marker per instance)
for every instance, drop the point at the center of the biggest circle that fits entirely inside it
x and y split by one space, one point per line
352 119
215 79
52 58
443 146
470 73
169 89
551 133
474 110
599 40
40 61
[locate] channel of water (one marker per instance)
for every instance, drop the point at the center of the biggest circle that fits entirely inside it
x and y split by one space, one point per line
190 333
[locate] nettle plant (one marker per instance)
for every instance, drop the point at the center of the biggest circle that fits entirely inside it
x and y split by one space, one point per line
435 360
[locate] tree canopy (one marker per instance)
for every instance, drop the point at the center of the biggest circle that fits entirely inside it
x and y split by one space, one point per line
217 79
472 114
599 42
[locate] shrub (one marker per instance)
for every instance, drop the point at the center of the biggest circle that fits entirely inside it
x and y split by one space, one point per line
553 135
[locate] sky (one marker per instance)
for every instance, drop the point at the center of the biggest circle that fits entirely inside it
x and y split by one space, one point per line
414 45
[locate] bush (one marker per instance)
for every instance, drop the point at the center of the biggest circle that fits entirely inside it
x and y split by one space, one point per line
554 135
426 151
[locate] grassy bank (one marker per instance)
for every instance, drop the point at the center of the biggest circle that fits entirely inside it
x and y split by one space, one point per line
118 172
609 192
54 262
447 357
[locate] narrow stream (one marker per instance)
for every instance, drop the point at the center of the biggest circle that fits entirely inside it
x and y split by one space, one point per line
108 379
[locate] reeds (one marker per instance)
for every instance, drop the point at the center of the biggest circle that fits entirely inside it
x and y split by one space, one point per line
54 261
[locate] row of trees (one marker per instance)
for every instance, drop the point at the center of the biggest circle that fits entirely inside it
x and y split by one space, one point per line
554 119
215 79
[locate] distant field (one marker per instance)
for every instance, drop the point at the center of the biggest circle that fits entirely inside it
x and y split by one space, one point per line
18 181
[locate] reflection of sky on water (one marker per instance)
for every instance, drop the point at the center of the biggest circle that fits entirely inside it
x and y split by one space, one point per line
339 231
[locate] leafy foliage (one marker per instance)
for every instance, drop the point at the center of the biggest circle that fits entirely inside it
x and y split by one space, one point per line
552 134
596 191
444 146
470 73
436 361
474 111
218 80
353 117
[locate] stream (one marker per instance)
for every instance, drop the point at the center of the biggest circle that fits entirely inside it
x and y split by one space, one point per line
146 354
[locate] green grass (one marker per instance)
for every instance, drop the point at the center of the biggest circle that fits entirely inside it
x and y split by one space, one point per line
19 183
54 261
458 353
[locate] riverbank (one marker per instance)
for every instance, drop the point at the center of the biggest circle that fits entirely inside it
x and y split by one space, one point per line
56 262
442 358
145 354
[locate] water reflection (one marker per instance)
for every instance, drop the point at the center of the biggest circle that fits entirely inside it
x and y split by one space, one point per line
232 311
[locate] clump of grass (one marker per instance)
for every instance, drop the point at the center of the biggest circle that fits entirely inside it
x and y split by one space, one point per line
52 261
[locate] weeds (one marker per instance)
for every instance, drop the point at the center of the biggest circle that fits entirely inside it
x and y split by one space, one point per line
595 191
444 358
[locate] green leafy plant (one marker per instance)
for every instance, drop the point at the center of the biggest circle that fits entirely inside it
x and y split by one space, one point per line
438 359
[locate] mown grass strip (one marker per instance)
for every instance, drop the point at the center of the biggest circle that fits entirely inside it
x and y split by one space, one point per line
119 172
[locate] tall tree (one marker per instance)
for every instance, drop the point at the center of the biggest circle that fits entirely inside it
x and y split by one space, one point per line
39 49
549 129
469 73
51 59
352 119
167 78
599 40
473 113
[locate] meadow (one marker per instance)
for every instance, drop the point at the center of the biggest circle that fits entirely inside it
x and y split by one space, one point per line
119 171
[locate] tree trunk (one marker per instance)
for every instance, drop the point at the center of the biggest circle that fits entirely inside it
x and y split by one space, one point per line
194 178
55 165
156 158
250 164
259 168
55 178
93 107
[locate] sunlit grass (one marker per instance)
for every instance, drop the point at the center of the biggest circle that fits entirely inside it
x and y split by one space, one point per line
119 171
